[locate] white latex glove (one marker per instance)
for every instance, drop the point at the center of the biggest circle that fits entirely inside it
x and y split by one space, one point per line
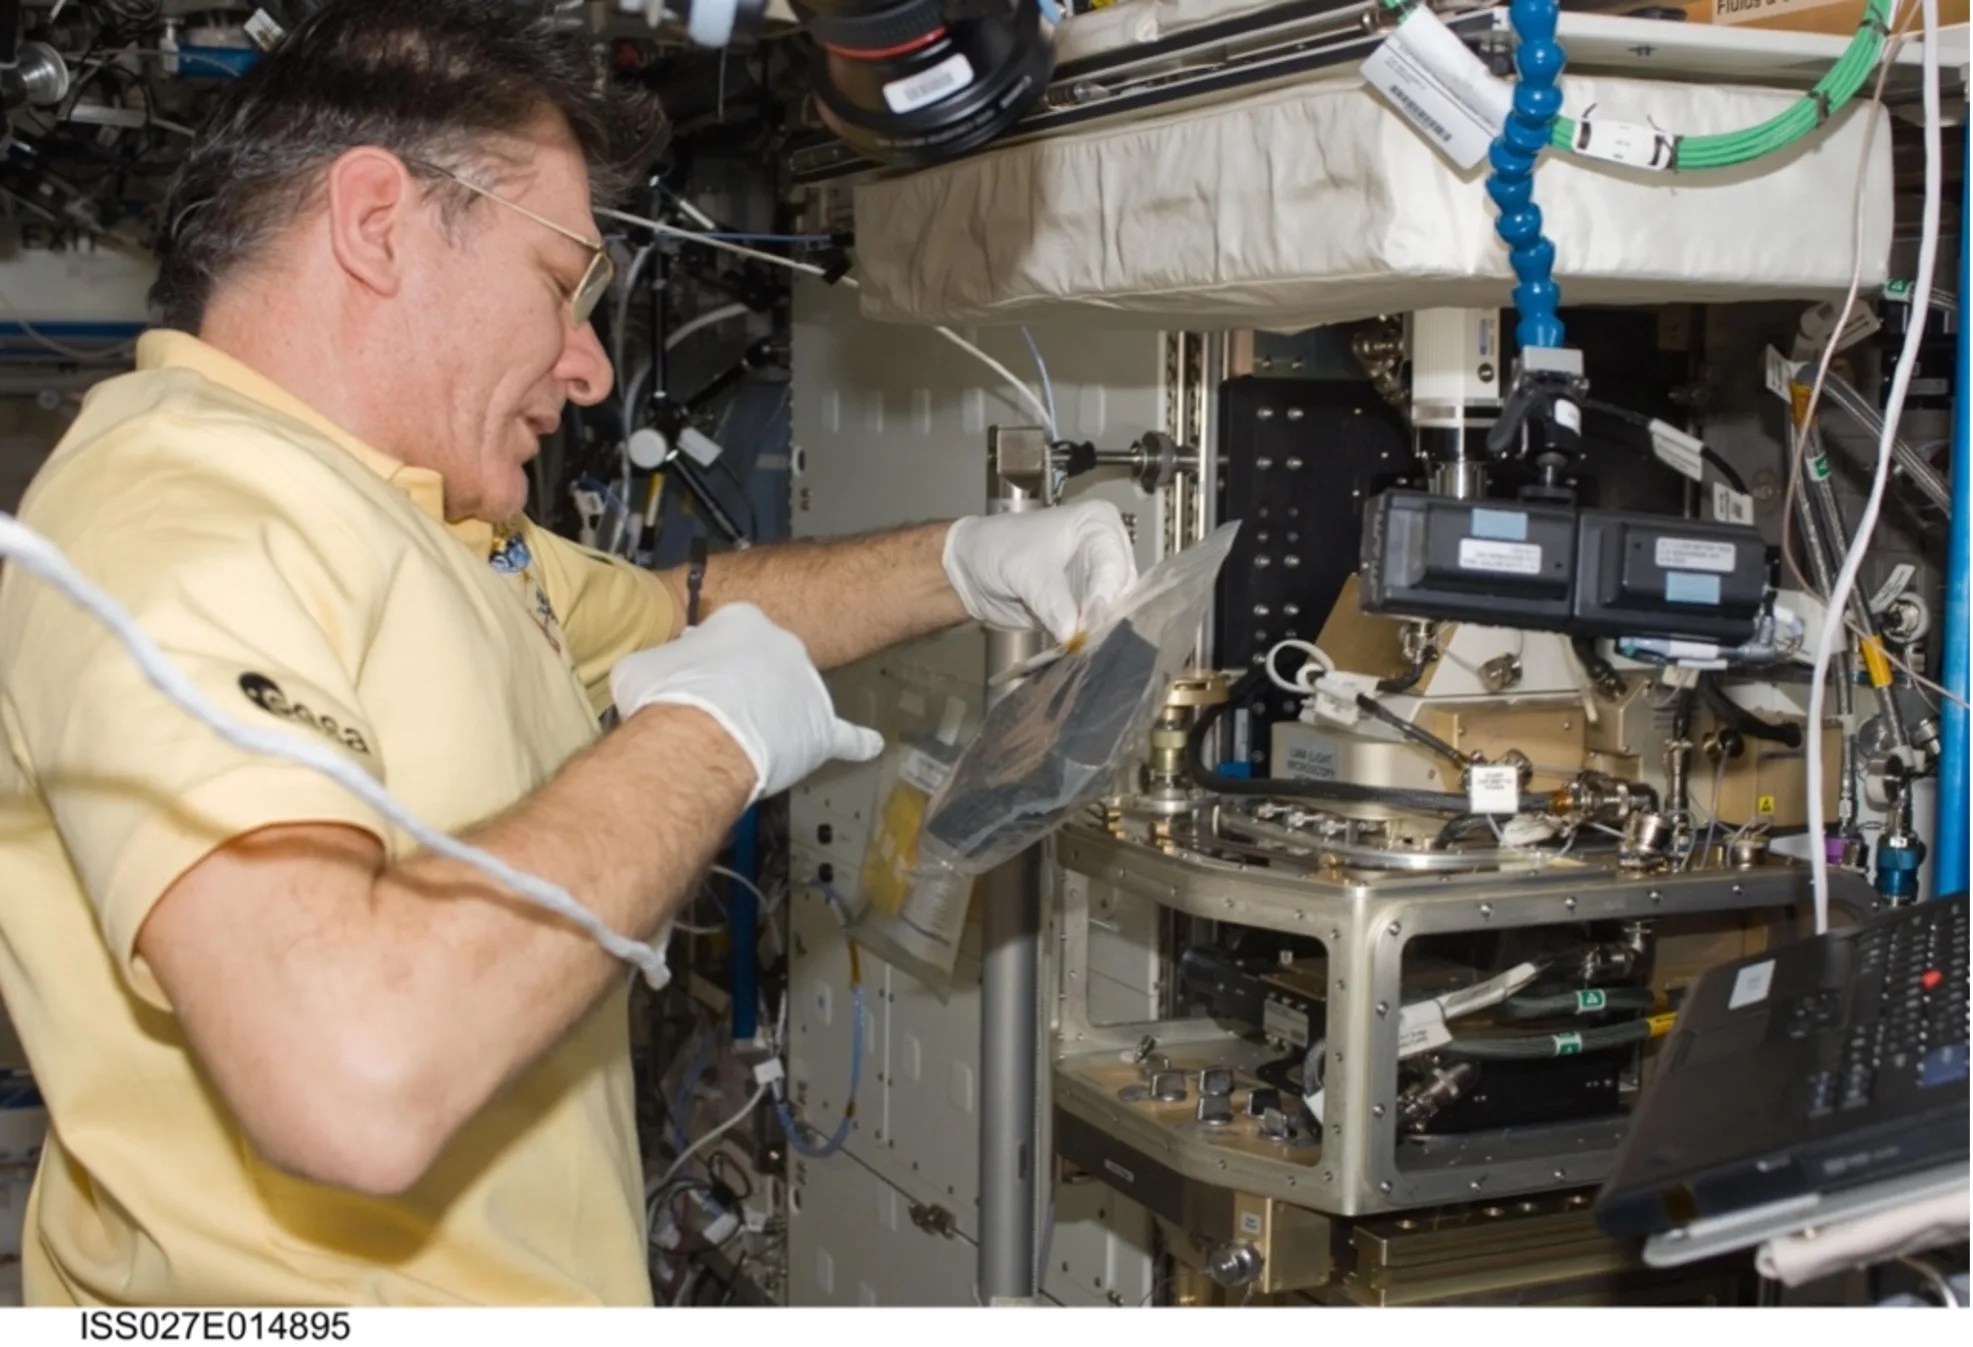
1059 569
757 681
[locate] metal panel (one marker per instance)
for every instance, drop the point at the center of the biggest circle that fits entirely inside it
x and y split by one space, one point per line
890 428
852 1241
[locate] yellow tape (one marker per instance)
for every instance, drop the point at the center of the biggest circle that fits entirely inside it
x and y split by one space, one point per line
1662 1024
1876 663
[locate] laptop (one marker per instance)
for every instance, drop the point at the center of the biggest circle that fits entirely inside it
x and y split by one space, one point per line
1832 1066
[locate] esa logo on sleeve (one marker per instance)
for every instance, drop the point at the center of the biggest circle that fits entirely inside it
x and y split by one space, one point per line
265 693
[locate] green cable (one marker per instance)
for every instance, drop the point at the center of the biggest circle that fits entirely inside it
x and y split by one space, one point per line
1829 96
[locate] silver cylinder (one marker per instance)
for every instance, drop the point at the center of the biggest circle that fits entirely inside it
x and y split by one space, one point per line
1010 925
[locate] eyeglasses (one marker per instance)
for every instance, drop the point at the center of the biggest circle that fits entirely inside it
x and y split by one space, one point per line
595 282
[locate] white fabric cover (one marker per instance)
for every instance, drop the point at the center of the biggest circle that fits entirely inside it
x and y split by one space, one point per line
1318 204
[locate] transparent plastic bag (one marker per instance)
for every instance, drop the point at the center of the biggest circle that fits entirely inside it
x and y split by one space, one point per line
908 907
1045 752
1054 745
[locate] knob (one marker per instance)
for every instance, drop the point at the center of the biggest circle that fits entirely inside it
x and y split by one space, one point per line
1234 1264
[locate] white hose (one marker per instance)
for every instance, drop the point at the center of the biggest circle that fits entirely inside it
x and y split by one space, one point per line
1839 596
41 557
704 321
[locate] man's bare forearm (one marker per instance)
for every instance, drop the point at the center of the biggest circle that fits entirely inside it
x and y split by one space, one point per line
356 1016
845 597
627 829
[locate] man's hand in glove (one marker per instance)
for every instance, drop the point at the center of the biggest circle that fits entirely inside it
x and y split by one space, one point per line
1059 569
758 682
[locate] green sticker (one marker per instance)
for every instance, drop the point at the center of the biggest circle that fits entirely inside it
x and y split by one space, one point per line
1589 1001
1819 467
1898 289
1568 1045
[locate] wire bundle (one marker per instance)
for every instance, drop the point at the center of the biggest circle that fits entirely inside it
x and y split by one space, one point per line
1802 118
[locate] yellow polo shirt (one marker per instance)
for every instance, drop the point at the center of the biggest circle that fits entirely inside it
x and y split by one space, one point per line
304 580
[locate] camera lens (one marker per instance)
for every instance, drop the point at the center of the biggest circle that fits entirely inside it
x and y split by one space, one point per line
915 82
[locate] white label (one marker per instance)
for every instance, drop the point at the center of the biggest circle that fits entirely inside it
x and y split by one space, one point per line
1478 554
1421 1028
1900 578
1489 993
1250 1223
1864 322
265 30
1677 450
1624 143
701 447
922 770
1494 789
1695 554
1730 506
1315 761
1440 87
1752 984
1120 1171
909 94
1780 372
1569 416
1753 11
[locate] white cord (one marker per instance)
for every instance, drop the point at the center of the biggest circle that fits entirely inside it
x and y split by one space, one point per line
45 560
810 269
736 877
1047 384
724 245
1303 683
1839 596
686 1155
704 321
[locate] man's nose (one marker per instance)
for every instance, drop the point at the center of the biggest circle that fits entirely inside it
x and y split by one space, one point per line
584 368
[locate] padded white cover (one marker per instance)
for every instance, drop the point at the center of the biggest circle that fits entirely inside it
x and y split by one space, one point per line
1319 204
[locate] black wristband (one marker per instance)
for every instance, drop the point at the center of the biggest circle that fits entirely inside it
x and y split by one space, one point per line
695 578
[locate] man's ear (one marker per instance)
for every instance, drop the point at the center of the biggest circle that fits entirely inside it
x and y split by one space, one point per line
371 198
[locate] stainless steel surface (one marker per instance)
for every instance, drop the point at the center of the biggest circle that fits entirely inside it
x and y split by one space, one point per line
1365 920
1019 477
1463 478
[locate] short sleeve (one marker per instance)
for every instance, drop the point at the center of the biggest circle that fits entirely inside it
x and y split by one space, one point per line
608 607
257 590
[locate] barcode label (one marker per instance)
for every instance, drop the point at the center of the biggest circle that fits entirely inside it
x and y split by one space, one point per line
929 86
1416 111
1440 87
1730 506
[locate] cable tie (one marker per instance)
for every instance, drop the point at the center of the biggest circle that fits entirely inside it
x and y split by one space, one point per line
1820 97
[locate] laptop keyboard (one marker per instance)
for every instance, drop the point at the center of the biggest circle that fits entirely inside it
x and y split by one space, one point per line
1907 1018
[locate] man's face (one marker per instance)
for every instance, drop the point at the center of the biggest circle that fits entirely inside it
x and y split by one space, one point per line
486 334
